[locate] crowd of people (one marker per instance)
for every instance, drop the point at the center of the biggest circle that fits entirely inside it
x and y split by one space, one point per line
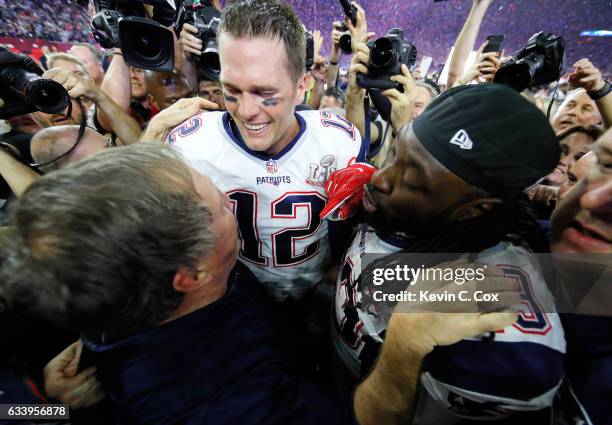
177 249
51 20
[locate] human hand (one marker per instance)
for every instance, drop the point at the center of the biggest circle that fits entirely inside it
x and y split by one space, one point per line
74 85
447 322
190 44
359 65
586 76
319 70
167 119
63 383
335 37
484 68
401 103
317 39
359 32
543 194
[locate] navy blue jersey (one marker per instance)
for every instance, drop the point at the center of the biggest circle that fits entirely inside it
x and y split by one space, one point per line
514 372
589 364
221 364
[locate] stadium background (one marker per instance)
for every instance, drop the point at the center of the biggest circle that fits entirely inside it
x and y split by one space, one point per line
432 26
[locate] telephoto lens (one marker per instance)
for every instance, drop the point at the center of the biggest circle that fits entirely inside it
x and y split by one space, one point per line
146 44
541 61
40 94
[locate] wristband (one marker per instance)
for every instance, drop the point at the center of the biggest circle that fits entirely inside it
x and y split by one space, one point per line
602 92
333 63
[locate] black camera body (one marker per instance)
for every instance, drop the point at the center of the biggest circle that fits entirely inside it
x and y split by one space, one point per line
350 12
541 61
23 90
145 43
206 19
387 55
309 49
345 40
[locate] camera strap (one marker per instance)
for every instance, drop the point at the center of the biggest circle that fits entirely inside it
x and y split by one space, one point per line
366 120
82 126
552 100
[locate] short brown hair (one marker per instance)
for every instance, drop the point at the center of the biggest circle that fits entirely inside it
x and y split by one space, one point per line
268 19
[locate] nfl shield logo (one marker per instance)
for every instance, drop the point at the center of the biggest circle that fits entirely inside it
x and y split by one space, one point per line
271 166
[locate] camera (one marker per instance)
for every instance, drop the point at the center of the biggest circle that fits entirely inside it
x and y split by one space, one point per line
350 12
203 16
387 55
309 50
145 43
541 61
345 40
24 91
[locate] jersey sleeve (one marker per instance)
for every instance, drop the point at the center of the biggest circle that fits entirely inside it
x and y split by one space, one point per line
186 131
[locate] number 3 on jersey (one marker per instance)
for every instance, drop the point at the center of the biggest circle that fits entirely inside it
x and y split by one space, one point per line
245 205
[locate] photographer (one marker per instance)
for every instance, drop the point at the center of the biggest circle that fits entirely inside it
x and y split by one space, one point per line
122 125
401 103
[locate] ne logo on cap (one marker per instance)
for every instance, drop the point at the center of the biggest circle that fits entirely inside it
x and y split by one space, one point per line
462 140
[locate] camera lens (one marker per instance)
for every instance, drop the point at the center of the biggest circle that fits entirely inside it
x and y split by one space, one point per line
345 44
520 74
382 54
148 45
211 67
47 96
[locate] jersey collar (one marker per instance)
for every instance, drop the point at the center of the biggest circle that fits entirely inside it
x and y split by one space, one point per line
234 134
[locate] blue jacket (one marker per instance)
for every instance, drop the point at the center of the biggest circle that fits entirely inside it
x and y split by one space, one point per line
221 364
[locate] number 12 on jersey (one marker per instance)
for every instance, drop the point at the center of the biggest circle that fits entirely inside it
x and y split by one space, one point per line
245 205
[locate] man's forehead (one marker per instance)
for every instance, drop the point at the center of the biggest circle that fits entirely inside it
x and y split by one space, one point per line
252 63
579 96
413 152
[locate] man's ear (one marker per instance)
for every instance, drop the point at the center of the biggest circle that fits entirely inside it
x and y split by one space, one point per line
302 86
474 208
187 279
153 102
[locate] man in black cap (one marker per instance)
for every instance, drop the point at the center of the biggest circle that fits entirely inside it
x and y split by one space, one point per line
453 183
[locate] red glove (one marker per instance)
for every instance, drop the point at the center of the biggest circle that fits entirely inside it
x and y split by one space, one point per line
344 190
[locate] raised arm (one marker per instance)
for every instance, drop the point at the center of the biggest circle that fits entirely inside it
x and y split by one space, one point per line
124 126
118 86
466 39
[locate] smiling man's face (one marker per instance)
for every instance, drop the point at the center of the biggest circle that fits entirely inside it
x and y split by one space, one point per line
259 92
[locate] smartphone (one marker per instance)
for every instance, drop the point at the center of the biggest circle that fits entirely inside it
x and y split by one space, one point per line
495 43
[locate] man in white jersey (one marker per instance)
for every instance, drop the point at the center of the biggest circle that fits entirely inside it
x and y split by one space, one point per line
453 183
271 161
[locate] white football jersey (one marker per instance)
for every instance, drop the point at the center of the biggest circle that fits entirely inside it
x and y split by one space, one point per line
276 200
518 370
